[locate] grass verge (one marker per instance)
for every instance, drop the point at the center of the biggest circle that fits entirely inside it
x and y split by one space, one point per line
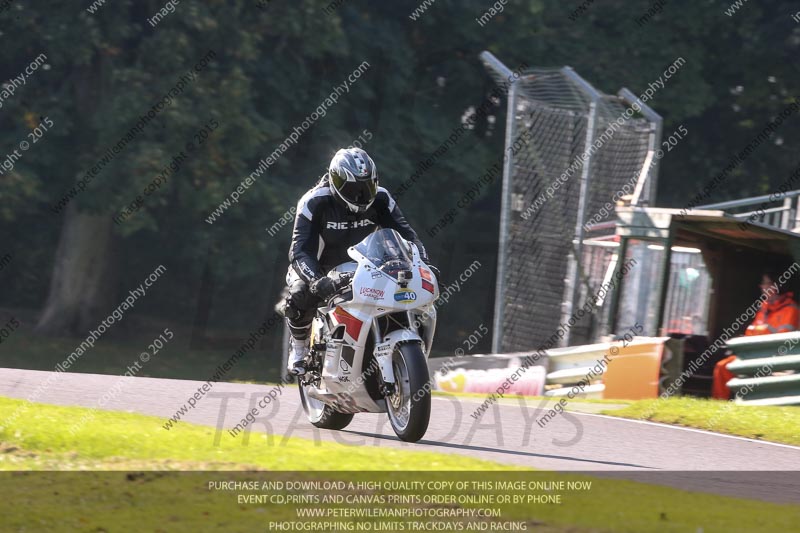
775 424
183 501
108 436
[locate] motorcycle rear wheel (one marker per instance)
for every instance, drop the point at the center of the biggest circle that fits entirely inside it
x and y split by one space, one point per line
321 415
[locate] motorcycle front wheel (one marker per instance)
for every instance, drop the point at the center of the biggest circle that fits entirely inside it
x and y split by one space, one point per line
409 408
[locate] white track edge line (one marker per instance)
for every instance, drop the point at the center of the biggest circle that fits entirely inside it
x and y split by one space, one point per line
665 425
693 430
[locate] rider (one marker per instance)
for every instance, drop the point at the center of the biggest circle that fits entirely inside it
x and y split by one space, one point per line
341 210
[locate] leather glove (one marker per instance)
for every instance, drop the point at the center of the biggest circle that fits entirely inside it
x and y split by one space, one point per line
322 287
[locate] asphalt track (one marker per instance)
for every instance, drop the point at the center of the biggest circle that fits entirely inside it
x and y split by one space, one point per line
507 433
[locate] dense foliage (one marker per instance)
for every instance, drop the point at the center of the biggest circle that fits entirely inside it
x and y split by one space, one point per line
276 61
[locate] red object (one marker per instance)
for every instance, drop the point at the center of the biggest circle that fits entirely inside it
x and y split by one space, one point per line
719 386
426 280
352 325
776 315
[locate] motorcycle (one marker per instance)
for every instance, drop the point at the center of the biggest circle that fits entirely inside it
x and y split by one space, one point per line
370 341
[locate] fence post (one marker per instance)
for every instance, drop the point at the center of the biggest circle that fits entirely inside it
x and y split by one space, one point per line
572 292
574 269
505 214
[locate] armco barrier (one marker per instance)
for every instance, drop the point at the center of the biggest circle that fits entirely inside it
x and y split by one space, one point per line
768 369
578 366
642 368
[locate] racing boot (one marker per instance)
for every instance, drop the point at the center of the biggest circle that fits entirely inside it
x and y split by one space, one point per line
298 351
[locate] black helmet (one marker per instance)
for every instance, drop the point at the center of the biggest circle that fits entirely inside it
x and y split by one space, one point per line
354 178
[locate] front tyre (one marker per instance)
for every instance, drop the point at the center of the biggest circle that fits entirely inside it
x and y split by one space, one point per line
409 408
321 415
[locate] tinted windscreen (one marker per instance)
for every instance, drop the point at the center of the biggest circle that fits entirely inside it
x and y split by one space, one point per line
387 251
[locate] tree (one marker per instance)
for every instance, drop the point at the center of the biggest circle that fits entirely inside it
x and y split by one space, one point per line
272 65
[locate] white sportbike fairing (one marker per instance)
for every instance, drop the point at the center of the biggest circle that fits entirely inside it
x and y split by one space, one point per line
370 343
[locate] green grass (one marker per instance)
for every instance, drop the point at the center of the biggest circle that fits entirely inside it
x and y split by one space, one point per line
161 501
111 436
181 501
775 424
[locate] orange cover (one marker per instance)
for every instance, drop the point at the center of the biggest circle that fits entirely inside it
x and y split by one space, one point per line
633 371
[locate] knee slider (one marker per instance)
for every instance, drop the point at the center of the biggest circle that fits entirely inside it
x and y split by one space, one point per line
289 310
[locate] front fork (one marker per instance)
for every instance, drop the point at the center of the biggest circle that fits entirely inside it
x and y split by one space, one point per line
383 356
384 349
